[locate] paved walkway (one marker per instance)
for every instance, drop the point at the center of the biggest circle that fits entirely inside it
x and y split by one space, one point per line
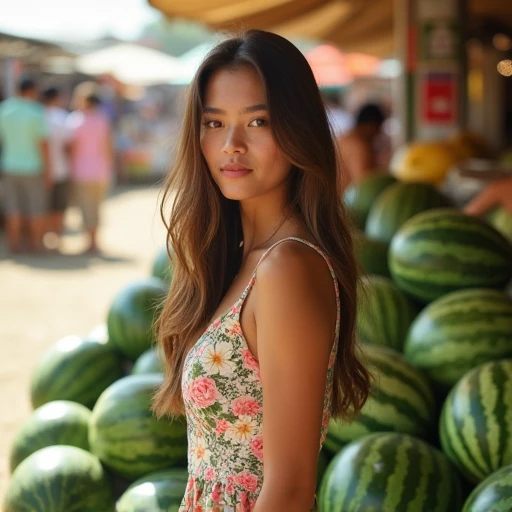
43 299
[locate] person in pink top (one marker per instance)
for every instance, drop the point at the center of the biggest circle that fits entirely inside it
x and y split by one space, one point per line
91 162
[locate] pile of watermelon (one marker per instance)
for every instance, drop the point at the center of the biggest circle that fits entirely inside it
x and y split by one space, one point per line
435 325
92 443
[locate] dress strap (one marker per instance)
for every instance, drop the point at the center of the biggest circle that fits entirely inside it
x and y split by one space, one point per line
319 251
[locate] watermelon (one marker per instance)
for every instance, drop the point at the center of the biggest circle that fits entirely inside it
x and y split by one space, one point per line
59 479
127 437
323 462
501 219
476 420
390 472
440 251
359 197
162 266
494 494
371 255
459 331
400 400
161 491
132 315
60 422
398 203
148 362
75 369
384 313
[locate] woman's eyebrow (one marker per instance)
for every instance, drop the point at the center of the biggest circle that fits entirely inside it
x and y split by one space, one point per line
246 110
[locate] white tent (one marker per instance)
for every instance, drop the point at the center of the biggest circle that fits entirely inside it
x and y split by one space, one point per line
131 64
189 63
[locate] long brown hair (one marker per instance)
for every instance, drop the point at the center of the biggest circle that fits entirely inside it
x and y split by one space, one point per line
204 228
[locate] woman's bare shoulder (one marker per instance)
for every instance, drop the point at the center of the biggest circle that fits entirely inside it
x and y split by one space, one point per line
293 269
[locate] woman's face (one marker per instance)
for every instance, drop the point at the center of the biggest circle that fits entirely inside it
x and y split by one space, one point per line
236 139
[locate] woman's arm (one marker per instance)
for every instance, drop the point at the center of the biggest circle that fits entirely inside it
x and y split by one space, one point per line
295 316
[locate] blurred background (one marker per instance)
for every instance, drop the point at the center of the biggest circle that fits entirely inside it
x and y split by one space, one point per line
440 72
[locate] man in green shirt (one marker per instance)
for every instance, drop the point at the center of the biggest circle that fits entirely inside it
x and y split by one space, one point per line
26 173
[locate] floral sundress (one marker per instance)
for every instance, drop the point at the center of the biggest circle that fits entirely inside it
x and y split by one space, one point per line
223 399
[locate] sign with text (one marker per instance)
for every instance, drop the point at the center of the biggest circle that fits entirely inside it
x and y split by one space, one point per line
439 101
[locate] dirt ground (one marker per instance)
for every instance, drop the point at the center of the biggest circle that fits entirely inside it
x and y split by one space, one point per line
45 298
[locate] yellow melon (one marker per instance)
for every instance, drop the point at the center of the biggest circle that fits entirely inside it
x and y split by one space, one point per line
427 162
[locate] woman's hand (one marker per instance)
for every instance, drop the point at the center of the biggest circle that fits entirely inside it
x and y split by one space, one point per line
498 193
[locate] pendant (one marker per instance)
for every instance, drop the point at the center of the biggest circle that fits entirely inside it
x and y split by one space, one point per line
241 243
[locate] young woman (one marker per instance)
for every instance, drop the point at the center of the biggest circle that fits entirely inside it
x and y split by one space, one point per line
258 327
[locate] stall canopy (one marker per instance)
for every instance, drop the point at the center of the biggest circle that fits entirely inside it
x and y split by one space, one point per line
353 25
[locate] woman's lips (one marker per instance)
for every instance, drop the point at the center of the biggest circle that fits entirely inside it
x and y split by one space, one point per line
235 171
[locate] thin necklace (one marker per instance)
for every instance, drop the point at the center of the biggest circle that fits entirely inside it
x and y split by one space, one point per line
269 238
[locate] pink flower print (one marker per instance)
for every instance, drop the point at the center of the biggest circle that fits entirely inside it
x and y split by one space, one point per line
203 392
222 426
245 406
216 494
235 309
209 474
230 488
250 362
190 484
247 481
235 329
216 323
257 447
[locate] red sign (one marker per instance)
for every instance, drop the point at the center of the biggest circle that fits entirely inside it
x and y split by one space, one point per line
439 98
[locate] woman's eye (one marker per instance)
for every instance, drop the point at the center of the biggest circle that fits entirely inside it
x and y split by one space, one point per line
212 124
259 122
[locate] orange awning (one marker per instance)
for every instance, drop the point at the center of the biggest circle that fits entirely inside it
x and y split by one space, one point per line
332 67
364 26
359 26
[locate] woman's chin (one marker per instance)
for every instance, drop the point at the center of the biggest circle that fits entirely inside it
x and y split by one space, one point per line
235 193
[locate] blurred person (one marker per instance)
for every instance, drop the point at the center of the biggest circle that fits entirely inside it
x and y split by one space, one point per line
59 138
358 146
339 119
260 317
26 166
91 152
498 193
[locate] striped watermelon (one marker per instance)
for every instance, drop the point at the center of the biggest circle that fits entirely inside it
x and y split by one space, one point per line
162 266
494 494
459 331
127 437
75 369
390 473
59 422
440 251
148 362
131 317
398 203
359 197
476 420
384 313
59 479
371 255
167 490
400 400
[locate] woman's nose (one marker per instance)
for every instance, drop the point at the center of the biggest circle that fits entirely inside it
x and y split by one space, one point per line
234 143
